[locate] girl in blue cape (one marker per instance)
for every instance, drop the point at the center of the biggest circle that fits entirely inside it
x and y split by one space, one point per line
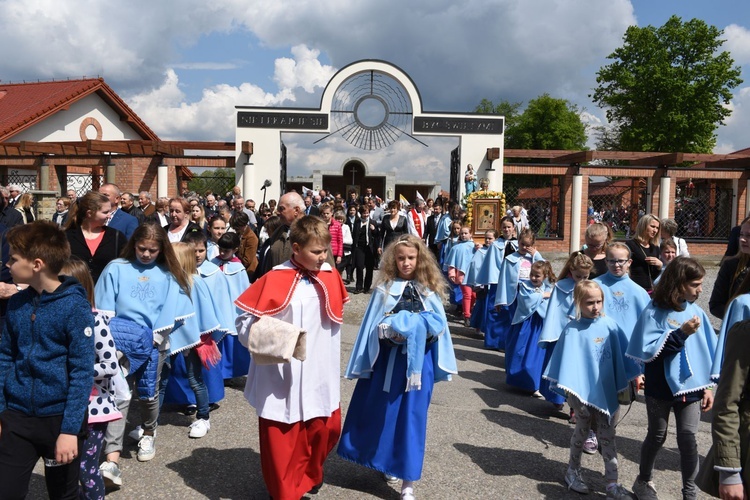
235 359
193 347
455 296
589 366
675 340
458 264
489 275
478 313
737 310
560 311
524 359
148 288
514 272
403 347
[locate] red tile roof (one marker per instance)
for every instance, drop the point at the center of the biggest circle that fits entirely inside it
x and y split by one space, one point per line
23 105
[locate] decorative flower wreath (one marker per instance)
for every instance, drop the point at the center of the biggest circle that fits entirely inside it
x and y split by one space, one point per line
468 202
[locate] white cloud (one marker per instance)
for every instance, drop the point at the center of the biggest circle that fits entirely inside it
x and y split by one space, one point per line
737 43
733 136
304 71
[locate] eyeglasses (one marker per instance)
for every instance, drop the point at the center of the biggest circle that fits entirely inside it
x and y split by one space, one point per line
617 262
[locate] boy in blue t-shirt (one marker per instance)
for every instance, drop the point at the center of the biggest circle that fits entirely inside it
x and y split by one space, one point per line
46 359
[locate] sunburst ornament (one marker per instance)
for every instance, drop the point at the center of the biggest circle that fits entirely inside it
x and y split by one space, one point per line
371 110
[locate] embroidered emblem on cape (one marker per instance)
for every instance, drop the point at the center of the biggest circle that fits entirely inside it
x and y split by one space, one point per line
619 303
601 349
674 323
142 291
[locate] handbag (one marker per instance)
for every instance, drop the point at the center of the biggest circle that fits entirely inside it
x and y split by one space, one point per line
272 341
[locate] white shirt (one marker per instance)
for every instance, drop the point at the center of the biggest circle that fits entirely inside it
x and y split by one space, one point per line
298 391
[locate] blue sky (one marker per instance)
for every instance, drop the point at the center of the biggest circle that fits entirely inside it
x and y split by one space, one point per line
184 64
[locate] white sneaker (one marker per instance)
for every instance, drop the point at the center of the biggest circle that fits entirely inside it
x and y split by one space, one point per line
146 448
110 471
199 428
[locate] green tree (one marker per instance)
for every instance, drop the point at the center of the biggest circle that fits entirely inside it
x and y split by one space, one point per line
509 110
667 87
550 123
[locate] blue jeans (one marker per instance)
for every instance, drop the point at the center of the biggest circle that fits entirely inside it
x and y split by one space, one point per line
195 379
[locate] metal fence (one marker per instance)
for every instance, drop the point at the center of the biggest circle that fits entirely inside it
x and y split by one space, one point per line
541 197
618 202
83 183
703 209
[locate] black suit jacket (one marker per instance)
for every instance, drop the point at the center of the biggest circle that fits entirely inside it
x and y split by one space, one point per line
313 210
430 228
373 234
109 249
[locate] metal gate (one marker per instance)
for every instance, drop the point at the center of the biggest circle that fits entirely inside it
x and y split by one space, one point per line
282 165
455 180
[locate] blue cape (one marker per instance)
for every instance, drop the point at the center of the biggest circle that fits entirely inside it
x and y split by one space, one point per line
476 264
507 286
489 273
367 345
222 301
443 230
530 300
624 300
589 362
460 256
688 370
737 310
146 295
560 311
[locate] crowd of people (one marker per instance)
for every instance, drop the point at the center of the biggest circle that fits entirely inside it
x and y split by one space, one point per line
167 300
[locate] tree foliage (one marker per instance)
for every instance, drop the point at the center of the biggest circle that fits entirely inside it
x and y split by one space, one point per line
667 88
546 123
550 123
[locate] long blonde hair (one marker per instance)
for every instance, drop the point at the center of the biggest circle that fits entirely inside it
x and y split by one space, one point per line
185 253
427 274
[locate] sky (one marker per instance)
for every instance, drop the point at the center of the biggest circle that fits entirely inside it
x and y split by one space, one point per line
183 65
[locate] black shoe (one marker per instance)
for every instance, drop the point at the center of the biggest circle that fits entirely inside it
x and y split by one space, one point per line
357 291
467 322
315 489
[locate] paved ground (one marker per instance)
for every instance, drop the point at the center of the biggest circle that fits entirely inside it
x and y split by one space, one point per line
484 441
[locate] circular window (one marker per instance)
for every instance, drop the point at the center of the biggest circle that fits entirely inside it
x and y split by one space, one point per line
90 129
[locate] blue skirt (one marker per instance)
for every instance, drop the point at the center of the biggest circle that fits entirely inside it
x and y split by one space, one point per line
235 358
478 314
179 391
524 359
497 323
548 393
387 431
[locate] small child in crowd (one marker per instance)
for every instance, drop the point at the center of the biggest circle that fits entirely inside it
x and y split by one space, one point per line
403 347
560 311
478 312
516 270
102 407
524 359
298 406
48 344
235 359
458 264
588 365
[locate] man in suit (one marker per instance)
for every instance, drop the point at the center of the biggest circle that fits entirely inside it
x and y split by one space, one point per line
118 219
15 194
310 209
145 204
430 228
129 207
365 244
